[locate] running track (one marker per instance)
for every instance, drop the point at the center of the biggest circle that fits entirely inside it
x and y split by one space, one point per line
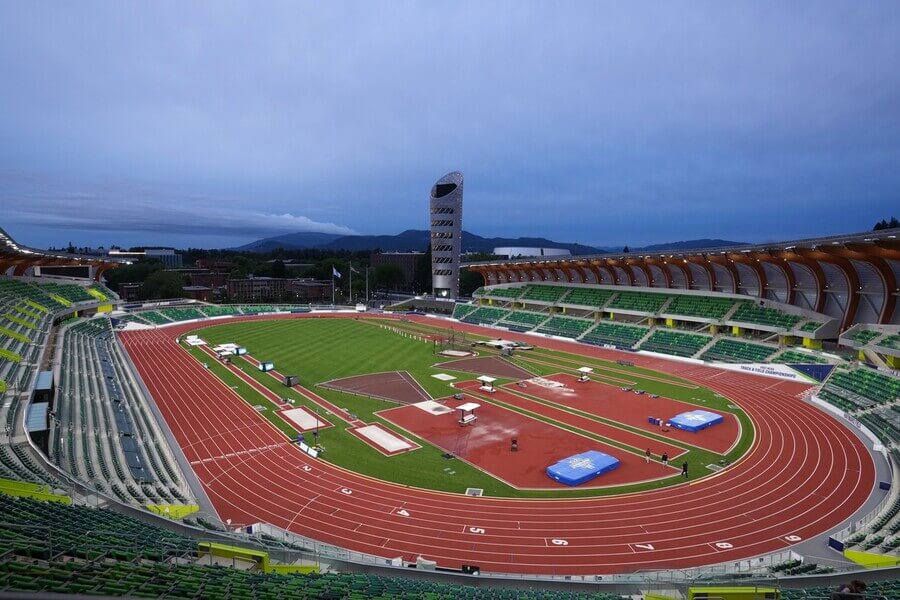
804 475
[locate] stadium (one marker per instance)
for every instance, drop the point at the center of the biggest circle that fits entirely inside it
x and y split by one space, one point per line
713 423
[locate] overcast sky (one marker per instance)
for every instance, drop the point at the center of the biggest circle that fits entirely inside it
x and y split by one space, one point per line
213 124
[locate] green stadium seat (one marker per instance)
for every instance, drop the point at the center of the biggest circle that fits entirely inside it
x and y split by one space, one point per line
792 356
707 307
507 293
565 326
676 343
749 312
733 351
646 302
461 310
544 293
591 297
520 320
485 315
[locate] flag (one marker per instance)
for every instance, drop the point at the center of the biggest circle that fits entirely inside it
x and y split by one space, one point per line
352 270
335 272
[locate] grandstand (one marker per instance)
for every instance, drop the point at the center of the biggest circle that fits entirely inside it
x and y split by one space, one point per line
637 301
189 311
106 447
615 334
734 351
588 297
766 317
521 320
793 356
675 342
864 387
97 394
706 307
544 293
686 317
792 272
565 326
485 315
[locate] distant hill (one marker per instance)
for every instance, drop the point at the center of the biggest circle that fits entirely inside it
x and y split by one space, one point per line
687 245
301 239
417 240
409 240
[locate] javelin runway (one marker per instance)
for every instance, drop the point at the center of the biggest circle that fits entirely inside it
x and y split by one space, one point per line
805 474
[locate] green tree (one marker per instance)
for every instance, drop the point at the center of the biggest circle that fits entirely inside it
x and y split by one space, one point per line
422 277
388 277
134 273
469 281
163 284
278 270
885 224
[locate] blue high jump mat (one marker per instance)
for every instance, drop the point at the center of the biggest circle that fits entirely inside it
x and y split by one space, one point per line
579 468
696 420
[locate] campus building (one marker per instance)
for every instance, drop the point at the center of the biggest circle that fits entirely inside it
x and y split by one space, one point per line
407 262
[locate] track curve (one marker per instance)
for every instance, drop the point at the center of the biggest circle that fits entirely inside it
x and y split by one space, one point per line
805 474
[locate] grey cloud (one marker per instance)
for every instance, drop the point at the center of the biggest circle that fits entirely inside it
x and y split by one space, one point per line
632 116
118 206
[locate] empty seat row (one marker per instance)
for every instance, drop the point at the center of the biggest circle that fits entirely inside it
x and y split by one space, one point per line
733 351
486 315
792 356
544 293
707 307
565 326
879 388
615 334
507 292
748 312
593 297
461 310
638 301
676 343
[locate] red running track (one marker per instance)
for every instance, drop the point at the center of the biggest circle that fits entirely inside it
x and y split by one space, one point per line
805 474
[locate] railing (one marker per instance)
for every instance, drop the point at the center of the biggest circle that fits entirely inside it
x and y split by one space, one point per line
860 524
746 570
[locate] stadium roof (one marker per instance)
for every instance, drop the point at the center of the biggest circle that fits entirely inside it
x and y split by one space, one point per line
20 258
853 277
886 238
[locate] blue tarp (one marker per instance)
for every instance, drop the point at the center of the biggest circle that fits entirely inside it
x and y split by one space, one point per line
579 468
695 420
817 372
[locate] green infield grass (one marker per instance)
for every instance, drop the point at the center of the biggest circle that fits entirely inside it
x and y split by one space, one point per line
320 349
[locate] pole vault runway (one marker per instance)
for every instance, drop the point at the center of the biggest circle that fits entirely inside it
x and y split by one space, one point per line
804 475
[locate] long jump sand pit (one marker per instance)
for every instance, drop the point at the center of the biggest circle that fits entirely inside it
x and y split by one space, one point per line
383 439
303 419
396 386
486 445
487 365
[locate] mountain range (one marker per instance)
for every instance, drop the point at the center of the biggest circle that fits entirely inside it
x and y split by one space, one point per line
417 240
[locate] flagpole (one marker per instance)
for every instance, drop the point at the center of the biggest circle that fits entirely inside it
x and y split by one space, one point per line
332 286
350 262
367 285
